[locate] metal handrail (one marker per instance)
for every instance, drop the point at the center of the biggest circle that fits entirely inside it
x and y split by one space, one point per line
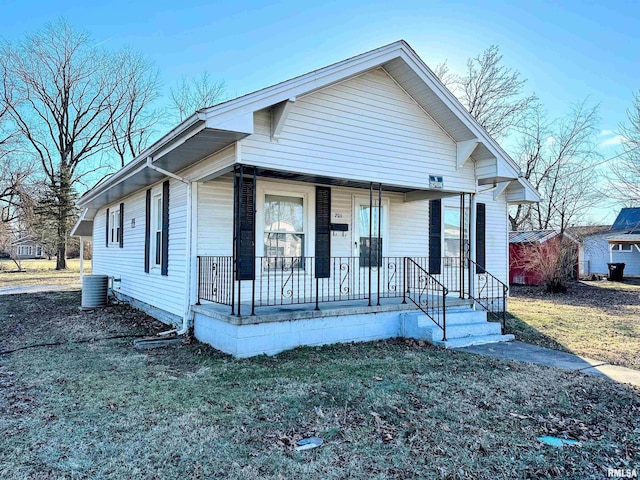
489 292
426 293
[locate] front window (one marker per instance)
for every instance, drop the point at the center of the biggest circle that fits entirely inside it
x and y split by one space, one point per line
622 247
284 227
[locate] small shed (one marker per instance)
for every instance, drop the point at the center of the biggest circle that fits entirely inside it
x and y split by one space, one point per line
541 244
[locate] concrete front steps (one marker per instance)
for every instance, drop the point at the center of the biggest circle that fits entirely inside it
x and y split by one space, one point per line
465 327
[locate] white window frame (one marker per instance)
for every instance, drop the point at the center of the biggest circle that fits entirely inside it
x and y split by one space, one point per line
618 247
155 216
307 193
114 226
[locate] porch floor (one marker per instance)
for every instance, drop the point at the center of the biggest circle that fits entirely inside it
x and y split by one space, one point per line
282 313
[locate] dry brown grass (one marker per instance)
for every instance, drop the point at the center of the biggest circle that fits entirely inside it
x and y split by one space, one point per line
42 272
386 410
598 319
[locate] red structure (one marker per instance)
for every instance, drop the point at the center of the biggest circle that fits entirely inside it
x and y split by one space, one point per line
532 254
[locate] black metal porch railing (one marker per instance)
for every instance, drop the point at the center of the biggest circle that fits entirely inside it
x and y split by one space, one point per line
489 293
426 293
291 281
215 279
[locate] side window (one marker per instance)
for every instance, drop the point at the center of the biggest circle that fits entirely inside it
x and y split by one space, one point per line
114 227
157 229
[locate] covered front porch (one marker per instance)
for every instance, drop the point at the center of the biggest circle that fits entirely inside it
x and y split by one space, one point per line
377 248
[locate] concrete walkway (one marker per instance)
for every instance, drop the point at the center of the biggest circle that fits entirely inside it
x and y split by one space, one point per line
18 289
524 352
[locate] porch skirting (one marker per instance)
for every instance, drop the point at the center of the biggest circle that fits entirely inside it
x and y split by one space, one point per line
273 337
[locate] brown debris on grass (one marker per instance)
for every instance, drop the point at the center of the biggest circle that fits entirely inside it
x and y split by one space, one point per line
389 409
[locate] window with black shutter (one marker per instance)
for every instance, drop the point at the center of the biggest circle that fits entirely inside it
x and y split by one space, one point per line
246 248
435 235
323 232
481 246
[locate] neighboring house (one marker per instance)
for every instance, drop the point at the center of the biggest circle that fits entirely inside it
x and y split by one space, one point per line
619 244
531 251
352 203
28 247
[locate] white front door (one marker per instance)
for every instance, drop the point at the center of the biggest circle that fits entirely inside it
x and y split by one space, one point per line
455 270
369 247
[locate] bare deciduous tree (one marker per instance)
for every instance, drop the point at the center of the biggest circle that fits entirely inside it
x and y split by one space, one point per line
63 93
490 91
626 185
558 158
139 87
554 261
192 94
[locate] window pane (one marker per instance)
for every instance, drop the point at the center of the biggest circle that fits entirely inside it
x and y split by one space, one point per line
158 247
364 217
366 248
283 244
158 213
283 214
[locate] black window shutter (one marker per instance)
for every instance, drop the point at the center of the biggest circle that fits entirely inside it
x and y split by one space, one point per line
107 230
435 235
323 232
164 267
246 231
147 231
481 228
121 225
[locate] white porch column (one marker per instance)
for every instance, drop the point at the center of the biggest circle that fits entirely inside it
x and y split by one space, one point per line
472 243
81 258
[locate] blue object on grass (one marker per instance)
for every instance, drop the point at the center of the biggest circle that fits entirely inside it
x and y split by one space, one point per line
556 441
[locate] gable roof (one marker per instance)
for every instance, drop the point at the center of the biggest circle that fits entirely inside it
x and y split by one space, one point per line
627 219
212 129
25 239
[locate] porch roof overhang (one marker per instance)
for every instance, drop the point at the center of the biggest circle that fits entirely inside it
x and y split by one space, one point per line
193 140
629 238
521 191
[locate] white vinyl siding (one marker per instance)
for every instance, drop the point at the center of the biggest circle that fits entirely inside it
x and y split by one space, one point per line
127 263
631 260
497 235
366 128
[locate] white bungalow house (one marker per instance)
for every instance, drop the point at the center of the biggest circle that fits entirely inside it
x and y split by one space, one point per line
356 202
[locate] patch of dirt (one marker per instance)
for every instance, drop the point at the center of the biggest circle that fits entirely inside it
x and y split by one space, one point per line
56 316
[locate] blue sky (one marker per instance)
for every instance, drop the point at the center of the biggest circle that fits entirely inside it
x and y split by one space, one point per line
566 50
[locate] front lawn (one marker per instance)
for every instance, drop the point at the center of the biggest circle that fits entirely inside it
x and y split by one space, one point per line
392 409
598 319
41 272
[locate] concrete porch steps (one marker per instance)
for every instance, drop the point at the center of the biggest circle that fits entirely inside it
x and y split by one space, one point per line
465 327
